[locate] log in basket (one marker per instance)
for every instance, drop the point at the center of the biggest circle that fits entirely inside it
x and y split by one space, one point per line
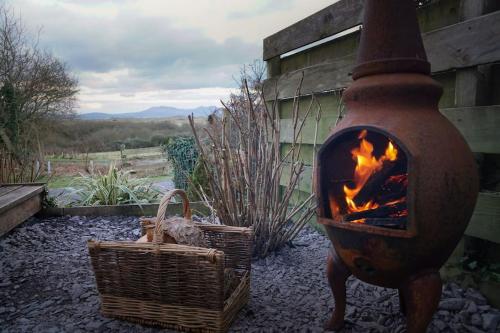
175 286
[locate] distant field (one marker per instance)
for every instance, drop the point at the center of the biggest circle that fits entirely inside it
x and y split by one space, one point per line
150 163
77 147
81 136
137 153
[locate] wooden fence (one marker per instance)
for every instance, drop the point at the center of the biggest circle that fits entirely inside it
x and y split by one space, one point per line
462 40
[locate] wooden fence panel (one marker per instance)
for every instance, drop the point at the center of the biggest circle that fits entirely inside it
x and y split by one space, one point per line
464 44
470 43
480 126
333 19
462 39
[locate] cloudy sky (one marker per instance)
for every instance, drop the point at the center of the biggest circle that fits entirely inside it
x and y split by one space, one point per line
133 54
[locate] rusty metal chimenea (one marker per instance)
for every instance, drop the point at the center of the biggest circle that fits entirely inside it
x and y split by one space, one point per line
396 182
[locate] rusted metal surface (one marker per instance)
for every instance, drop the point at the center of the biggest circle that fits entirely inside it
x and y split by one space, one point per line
394 95
386 24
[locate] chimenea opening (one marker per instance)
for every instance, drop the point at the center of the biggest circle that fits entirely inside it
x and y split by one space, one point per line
365 179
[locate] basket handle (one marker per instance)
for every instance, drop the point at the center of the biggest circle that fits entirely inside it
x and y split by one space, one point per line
162 210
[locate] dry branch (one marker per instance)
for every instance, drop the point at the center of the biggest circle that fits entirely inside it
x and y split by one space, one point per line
245 167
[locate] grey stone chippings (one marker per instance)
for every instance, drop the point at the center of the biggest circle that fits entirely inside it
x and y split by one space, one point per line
47 285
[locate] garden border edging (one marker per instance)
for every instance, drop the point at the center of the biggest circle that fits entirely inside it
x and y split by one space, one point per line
120 210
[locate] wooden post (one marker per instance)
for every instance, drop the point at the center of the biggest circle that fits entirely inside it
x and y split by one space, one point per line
273 67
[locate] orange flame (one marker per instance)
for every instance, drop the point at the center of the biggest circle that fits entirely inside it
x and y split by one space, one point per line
366 165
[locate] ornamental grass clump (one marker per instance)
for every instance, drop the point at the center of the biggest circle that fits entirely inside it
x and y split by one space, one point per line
116 187
252 181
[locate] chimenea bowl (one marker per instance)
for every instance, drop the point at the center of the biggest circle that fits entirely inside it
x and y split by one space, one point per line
442 182
396 182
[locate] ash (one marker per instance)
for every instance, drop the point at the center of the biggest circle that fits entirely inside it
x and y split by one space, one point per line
47 285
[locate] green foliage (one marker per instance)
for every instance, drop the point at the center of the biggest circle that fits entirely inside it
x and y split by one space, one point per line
47 201
183 154
159 140
9 114
199 178
114 188
482 270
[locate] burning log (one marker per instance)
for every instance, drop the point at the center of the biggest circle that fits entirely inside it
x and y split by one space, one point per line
374 183
380 212
393 195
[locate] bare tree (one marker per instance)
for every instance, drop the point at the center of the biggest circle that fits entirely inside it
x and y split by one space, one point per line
35 86
35 89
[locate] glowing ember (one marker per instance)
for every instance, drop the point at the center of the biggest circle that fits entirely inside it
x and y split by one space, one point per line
401 179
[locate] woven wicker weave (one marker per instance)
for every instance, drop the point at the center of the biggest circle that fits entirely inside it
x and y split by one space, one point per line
175 286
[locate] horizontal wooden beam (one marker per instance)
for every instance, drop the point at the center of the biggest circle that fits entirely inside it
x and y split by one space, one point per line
23 193
305 182
325 126
466 44
315 79
485 222
329 21
478 124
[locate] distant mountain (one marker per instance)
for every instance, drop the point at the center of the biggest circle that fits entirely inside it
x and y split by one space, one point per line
153 112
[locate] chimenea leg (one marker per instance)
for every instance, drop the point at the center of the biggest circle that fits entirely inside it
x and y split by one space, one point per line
337 273
401 301
421 295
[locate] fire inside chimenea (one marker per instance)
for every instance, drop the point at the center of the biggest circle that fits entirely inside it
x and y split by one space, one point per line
368 180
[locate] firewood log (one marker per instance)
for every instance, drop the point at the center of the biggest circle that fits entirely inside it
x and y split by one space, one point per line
380 212
374 183
183 231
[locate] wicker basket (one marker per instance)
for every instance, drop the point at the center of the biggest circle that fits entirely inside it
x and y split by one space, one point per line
175 286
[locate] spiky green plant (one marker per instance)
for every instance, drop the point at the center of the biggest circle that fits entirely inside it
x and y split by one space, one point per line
113 188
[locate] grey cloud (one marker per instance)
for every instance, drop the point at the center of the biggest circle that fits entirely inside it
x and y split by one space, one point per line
267 6
157 54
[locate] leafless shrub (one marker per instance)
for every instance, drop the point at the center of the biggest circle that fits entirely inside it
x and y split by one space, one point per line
251 181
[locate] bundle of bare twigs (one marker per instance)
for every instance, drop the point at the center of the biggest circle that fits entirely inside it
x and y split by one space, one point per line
252 182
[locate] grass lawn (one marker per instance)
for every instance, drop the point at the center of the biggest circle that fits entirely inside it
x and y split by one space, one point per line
57 181
65 181
156 179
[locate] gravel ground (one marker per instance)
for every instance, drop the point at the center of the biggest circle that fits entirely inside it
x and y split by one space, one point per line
47 285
